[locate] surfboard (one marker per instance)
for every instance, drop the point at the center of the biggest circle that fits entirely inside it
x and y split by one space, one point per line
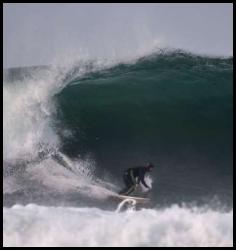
137 199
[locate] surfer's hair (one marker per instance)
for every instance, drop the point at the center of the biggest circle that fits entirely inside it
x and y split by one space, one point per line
150 165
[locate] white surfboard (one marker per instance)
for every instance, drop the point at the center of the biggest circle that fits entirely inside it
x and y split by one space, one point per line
137 199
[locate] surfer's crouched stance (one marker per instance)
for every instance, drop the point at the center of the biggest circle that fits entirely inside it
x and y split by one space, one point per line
133 176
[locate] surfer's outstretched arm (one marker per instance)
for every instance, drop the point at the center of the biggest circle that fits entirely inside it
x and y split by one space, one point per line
141 178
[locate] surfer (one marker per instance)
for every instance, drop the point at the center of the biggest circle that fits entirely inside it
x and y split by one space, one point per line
133 176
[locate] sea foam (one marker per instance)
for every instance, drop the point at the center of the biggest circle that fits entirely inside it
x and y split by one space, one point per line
34 225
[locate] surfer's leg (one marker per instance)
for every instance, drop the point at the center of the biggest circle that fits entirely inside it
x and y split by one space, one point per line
130 186
129 190
127 183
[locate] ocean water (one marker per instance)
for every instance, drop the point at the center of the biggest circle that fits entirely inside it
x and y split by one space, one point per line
69 132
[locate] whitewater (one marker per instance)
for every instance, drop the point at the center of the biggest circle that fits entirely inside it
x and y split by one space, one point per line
34 225
70 131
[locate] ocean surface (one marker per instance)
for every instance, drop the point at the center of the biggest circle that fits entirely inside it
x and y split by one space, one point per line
70 131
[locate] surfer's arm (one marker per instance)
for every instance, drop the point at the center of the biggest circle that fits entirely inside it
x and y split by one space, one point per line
141 178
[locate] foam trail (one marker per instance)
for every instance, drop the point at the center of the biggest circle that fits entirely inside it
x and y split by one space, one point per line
64 177
34 225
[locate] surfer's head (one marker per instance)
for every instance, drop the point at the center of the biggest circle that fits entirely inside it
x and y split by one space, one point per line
149 166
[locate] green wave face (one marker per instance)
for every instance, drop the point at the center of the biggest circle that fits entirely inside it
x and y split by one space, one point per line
159 103
175 109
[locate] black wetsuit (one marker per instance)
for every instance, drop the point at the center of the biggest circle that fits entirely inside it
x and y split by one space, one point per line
130 181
